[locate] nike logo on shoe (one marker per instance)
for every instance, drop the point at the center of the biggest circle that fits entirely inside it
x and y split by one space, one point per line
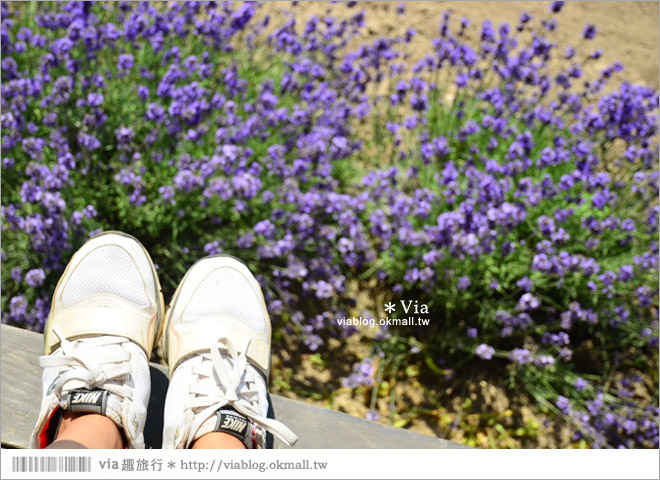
231 422
86 397
88 401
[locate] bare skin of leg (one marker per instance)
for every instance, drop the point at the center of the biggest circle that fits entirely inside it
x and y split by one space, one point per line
91 430
217 440
98 431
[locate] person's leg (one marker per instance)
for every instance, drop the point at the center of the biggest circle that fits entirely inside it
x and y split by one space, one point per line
217 440
105 317
87 430
217 343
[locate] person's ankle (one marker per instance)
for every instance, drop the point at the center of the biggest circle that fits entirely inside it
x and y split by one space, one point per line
91 430
217 440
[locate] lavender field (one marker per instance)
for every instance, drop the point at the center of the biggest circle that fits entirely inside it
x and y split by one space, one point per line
499 184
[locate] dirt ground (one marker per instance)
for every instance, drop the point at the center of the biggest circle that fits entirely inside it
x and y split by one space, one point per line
627 31
475 412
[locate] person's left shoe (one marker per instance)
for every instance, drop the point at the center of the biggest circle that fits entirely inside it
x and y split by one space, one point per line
105 318
217 340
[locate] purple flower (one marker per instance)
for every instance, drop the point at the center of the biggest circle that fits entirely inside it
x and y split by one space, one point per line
89 211
125 61
323 289
90 142
525 283
589 32
265 228
542 263
626 273
143 93
155 112
472 332
33 147
546 224
563 404
362 374
528 302
17 306
463 283
418 102
590 267
35 277
124 135
16 274
555 7
580 384
167 194
461 80
372 415
61 47
465 23
521 356
485 352
545 361
94 99
525 18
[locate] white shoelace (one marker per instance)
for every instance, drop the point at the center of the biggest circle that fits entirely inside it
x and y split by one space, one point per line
224 381
91 362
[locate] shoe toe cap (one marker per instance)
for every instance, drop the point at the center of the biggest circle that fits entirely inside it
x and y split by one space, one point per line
228 289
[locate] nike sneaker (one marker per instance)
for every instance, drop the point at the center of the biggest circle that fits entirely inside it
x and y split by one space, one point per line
105 318
217 342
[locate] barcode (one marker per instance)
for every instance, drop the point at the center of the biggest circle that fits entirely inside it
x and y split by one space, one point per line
51 464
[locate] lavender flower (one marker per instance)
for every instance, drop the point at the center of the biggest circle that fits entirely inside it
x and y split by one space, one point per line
528 302
94 99
35 277
589 32
17 306
521 356
625 273
545 361
563 404
463 283
580 384
362 374
555 7
485 352
372 416
125 62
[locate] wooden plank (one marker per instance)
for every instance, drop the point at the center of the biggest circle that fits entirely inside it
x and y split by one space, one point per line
20 396
20 386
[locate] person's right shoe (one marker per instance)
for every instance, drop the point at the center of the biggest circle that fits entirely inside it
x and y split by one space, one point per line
217 344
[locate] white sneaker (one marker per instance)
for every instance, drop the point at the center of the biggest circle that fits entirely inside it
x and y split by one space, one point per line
105 318
217 342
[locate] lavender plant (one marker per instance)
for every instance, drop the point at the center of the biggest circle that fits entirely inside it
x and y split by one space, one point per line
162 123
497 185
521 204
